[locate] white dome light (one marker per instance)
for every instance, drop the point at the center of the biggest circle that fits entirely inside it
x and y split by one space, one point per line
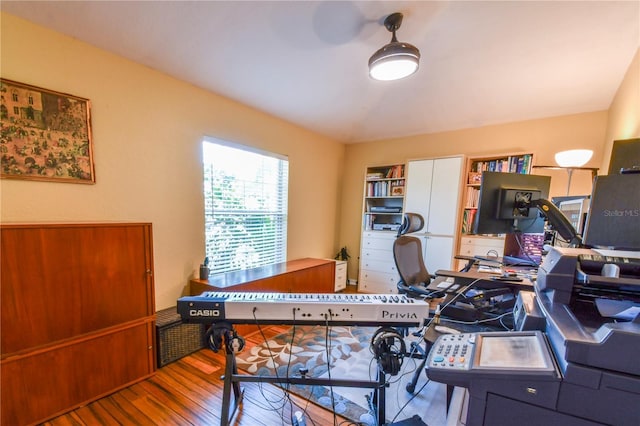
573 157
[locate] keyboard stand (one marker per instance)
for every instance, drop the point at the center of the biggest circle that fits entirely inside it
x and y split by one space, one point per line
232 380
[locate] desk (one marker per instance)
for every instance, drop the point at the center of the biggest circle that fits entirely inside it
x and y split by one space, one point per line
485 281
495 297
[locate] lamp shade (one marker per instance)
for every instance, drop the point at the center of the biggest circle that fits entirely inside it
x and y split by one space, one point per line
573 157
394 61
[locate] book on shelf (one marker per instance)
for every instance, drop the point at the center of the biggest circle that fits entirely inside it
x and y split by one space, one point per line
395 172
473 195
467 220
513 164
385 188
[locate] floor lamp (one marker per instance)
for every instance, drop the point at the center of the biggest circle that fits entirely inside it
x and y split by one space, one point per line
572 160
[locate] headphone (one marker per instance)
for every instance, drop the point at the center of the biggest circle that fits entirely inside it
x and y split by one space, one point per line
234 342
386 351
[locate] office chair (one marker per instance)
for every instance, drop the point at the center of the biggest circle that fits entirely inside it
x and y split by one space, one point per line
414 278
408 256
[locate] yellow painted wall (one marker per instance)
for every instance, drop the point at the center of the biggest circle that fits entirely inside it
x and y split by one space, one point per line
147 129
624 113
542 137
147 132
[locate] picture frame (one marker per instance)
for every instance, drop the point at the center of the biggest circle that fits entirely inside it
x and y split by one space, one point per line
397 190
46 135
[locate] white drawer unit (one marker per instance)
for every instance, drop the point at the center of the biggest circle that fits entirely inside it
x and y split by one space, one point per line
481 246
341 275
378 272
377 282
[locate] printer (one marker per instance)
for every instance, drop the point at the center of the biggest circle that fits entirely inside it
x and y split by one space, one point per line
574 358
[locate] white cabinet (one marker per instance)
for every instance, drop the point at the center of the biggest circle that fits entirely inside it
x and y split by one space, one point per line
480 245
433 190
341 275
378 272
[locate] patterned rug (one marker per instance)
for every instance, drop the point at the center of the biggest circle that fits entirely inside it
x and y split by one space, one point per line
350 358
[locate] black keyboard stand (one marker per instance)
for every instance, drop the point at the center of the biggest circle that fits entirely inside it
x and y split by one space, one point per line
232 380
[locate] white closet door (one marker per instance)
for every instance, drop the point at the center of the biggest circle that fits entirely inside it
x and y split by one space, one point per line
445 189
438 253
418 189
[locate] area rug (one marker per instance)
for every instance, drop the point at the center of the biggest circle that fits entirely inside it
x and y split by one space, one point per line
350 357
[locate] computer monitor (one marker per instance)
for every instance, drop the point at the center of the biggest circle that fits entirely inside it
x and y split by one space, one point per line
625 156
507 203
614 215
576 211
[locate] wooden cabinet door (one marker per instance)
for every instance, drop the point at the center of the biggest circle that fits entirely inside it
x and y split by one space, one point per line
61 281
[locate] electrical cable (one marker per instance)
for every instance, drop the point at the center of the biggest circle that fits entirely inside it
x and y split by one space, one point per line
285 389
327 341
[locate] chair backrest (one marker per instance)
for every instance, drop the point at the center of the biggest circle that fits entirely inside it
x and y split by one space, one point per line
407 252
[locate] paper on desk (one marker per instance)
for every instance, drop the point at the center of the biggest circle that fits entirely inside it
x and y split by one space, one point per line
489 269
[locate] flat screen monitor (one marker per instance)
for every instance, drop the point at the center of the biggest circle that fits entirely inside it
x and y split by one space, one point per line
614 214
625 156
504 204
576 211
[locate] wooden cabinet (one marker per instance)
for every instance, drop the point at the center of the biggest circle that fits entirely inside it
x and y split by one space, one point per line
433 190
306 275
77 315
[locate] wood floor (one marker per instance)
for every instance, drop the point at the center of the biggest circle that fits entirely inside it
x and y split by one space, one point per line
189 392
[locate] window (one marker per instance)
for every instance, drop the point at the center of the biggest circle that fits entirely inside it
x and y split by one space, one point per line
245 206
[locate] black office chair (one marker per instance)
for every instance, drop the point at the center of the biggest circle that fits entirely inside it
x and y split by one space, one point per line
414 279
408 256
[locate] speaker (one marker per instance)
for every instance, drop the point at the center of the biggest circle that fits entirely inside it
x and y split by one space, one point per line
174 339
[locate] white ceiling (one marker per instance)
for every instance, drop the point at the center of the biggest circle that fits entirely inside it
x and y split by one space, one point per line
483 62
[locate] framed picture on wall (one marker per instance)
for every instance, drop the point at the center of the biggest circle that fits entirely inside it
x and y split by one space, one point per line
46 135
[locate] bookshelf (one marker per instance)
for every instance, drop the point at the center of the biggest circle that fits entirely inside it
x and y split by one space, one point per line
478 244
383 204
383 197
520 163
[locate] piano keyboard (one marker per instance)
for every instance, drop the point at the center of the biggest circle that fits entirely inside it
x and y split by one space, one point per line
303 308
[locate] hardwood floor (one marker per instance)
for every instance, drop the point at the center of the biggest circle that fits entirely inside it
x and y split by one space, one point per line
189 392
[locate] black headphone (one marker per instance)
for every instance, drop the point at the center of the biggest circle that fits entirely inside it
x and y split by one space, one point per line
214 334
386 351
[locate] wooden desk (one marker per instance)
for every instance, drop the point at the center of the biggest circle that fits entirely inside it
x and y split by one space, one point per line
306 275
295 276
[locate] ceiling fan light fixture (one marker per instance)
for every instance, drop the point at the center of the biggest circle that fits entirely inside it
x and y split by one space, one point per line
395 60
